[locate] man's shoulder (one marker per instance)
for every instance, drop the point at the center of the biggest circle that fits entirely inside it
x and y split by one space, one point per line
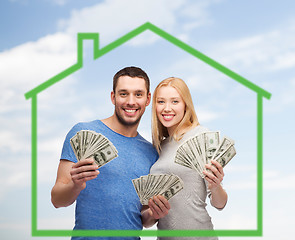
143 140
90 125
148 146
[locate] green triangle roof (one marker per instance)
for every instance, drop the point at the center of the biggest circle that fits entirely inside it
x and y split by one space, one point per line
147 26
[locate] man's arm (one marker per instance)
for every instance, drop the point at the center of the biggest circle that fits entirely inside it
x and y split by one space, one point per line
157 208
71 180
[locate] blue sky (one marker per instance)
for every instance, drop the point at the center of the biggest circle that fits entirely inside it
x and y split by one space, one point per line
256 39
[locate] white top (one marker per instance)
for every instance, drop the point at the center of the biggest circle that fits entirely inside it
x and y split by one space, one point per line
188 207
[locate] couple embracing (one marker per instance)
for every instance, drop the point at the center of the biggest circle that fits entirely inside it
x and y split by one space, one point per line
105 197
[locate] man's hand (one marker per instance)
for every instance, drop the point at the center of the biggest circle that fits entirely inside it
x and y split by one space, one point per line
71 180
83 171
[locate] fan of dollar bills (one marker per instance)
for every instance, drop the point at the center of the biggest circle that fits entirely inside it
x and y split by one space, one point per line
157 184
201 149
87 144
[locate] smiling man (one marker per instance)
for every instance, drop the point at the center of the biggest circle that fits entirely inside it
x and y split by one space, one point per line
130 96
109 201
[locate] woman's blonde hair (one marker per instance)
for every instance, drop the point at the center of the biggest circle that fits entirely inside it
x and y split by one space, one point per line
189 120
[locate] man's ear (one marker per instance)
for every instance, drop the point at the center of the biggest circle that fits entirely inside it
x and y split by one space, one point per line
149 96
113 97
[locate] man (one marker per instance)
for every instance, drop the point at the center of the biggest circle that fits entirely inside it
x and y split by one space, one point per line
109 201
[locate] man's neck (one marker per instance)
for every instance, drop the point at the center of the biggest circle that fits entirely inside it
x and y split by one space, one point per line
125 130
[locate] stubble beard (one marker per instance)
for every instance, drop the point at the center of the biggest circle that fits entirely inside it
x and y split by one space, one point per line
124 122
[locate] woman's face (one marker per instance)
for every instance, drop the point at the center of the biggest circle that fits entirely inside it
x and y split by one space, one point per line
170 107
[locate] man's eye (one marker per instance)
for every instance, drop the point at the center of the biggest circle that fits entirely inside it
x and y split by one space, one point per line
139 94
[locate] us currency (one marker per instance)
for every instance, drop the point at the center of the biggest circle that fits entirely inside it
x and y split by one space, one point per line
226 142
226 156
172 190
190 150
89 144
154 184
211 144
199 150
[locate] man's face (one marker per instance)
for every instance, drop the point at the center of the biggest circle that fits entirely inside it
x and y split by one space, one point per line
130 99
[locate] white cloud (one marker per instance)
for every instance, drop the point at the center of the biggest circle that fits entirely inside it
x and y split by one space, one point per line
207 116
145 38
278 181
283 97
15 174
23 68
60 2
244 177
114 18
62 222
30 64
244 184
198 14
269 51
34 62
236 221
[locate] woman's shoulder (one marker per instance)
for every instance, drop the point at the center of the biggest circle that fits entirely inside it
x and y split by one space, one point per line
196 131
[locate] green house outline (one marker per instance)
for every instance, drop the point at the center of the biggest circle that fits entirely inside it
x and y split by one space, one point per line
32 94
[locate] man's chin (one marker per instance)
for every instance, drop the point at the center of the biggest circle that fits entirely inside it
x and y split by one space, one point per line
128 122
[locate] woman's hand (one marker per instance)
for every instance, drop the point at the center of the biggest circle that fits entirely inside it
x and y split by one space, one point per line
159 206
215 176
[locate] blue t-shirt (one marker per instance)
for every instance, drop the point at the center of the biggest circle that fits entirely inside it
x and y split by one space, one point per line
110 202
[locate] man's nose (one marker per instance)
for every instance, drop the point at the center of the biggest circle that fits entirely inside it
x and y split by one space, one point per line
131 99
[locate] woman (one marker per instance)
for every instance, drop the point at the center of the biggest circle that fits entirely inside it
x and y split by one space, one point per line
173 122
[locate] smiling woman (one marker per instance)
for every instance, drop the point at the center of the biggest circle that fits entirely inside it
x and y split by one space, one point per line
173 110
170 108
174 122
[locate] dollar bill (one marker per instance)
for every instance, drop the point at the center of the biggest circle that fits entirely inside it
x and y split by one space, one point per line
226 142
156 184
90 144
199 150
226 156
172 190
211 144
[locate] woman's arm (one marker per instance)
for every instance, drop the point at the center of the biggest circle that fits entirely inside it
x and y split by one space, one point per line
214 178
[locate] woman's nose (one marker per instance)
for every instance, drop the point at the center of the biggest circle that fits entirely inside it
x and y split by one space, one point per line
167 107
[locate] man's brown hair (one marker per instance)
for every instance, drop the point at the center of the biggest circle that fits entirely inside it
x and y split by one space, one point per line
131 72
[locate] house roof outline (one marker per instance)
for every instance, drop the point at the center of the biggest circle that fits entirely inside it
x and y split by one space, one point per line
97 53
